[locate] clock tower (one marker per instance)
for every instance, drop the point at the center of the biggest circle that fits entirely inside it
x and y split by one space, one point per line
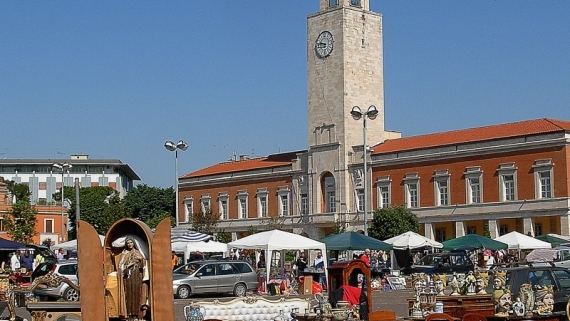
345 69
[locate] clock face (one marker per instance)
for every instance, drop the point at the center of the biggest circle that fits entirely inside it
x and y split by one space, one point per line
324 44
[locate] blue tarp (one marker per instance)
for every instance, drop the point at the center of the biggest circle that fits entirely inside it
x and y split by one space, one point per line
10 245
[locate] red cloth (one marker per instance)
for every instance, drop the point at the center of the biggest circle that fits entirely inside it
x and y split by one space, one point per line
365 259
351 294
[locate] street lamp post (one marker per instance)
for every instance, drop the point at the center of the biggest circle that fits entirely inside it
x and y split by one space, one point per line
174 148
357 114
62 167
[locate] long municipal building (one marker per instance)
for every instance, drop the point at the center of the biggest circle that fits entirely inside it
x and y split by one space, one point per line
504 177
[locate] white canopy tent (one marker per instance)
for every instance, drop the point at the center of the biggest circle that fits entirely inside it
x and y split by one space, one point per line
408 241
277 240
72 245
411 240
187 247
519 241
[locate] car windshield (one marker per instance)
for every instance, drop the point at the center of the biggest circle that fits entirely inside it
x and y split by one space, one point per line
188 268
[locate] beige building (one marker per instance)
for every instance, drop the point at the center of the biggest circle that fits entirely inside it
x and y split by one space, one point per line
457 182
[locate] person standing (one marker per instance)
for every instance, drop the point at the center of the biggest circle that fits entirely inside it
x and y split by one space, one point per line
301 263
60 255
174 260
15 261
26 261
319 262
366 257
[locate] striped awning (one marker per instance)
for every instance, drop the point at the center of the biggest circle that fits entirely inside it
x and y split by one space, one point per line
183 235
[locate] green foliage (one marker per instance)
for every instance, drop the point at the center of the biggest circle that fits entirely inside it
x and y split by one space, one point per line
20 221
224 237
486 231
154 221
338 228
21 191
252 230
204 222
149 204
273 223
392 221
100 207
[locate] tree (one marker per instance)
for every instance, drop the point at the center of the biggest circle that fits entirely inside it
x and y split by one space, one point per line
149 204
391 221
100 207
273 223
486 231
20 221
252 230
204 222
224 237
338 228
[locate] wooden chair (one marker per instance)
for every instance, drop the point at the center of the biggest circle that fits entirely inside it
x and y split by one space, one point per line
473 317
439 316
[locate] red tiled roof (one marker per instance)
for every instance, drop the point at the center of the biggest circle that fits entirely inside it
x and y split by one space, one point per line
275 160
522 128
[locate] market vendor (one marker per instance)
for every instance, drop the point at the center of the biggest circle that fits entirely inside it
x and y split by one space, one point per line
301 263
319 264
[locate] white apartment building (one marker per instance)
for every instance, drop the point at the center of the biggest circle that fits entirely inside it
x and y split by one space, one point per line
43 179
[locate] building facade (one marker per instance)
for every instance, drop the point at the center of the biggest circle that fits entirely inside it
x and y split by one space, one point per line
44 180
501 177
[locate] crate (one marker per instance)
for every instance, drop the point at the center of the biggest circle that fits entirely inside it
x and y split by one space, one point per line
306 287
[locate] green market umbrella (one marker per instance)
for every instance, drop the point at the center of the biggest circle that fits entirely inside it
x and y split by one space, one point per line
474 240
353 241
553 239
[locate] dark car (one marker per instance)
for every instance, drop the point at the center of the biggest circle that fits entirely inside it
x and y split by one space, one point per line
438 263
541 275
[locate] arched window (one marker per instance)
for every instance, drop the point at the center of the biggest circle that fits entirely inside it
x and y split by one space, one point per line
328 187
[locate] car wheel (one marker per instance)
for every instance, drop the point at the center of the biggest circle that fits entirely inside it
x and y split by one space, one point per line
71 294
240 289
183 292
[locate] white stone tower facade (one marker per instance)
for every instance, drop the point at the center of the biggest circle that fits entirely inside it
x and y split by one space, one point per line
345 69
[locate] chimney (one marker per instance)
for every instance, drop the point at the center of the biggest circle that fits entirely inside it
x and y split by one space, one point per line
243 157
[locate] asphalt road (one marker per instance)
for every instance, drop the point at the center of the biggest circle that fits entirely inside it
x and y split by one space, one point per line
393 300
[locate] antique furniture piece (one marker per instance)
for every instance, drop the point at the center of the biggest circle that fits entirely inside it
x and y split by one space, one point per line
250 308
346 273
459 305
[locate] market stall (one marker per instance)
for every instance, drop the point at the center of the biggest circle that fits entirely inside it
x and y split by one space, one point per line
277 240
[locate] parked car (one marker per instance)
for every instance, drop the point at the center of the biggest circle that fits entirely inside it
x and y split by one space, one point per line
438 263
214 276
542 275
67 269
558 256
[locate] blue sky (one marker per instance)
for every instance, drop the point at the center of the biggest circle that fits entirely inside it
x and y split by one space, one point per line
116 79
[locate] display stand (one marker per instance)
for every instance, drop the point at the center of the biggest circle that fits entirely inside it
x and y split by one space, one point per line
459 305
346 273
